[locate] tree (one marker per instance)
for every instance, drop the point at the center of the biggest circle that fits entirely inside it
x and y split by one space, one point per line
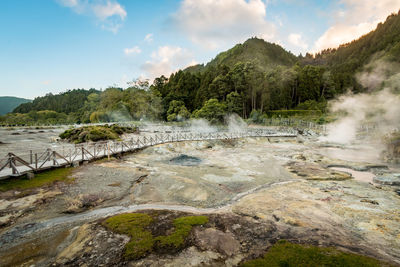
234 103
212 110
177 111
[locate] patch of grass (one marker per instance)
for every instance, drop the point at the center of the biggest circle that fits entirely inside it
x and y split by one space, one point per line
133 225
183 226
284 253
40 180
142 241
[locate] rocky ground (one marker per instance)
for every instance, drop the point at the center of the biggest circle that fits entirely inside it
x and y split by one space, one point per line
254 191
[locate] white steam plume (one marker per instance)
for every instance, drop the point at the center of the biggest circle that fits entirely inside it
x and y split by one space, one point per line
380 107
235 123
201 126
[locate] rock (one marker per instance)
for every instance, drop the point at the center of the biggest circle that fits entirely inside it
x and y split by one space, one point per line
312 171
215 240
388 179
369 201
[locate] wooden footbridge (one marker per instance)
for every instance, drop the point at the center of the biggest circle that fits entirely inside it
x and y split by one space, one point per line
17 165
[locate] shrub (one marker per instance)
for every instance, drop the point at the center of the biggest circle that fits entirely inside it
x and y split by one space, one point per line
96 133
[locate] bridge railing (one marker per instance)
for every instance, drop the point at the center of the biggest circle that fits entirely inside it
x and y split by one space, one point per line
16 165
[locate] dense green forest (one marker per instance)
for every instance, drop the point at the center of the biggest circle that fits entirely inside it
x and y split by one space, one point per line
251 79
9 103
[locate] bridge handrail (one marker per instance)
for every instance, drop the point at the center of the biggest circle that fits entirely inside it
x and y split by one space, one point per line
49 158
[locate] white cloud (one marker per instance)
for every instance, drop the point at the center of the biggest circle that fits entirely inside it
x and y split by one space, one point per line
148 38
132 51
356 18
297 40
166 60
108 13
109 9
217 23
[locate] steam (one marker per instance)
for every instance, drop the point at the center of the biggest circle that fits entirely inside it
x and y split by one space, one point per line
201 126
379 108
120 115
235 123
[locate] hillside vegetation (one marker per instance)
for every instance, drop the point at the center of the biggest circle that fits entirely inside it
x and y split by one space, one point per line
253 77
9 103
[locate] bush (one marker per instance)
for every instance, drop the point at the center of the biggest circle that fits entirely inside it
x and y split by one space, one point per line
293 113
177 111
96 133
213 111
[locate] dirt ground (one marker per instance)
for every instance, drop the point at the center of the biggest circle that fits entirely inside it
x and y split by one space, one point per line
255 191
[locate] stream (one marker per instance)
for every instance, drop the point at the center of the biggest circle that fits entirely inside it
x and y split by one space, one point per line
21 233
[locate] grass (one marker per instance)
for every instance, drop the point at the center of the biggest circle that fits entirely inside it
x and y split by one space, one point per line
40 180
286 254
142 241
183 226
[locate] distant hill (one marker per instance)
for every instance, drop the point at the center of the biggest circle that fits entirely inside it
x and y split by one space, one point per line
9 103
65 102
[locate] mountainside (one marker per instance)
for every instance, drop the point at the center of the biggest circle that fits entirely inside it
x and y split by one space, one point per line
261 53
9 103
344 62
66 102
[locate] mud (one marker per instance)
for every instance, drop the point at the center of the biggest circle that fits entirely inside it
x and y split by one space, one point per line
255 191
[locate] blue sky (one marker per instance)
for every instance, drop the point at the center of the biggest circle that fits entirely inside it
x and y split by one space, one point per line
55 45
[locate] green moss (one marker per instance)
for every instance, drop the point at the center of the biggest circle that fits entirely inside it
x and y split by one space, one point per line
183 226
133 225
285 253
40 180
142 240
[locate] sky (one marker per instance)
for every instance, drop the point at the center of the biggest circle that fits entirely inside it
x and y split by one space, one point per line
56 45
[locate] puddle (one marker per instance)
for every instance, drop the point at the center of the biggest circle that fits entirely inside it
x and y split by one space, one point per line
185 160
366 177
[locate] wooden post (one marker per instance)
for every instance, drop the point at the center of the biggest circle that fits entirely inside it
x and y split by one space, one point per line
36 161
108 150
12 165
31 156
54 158
83 154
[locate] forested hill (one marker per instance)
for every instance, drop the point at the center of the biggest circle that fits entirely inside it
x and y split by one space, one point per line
67 102
382 43
8 103
262 54
258 75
